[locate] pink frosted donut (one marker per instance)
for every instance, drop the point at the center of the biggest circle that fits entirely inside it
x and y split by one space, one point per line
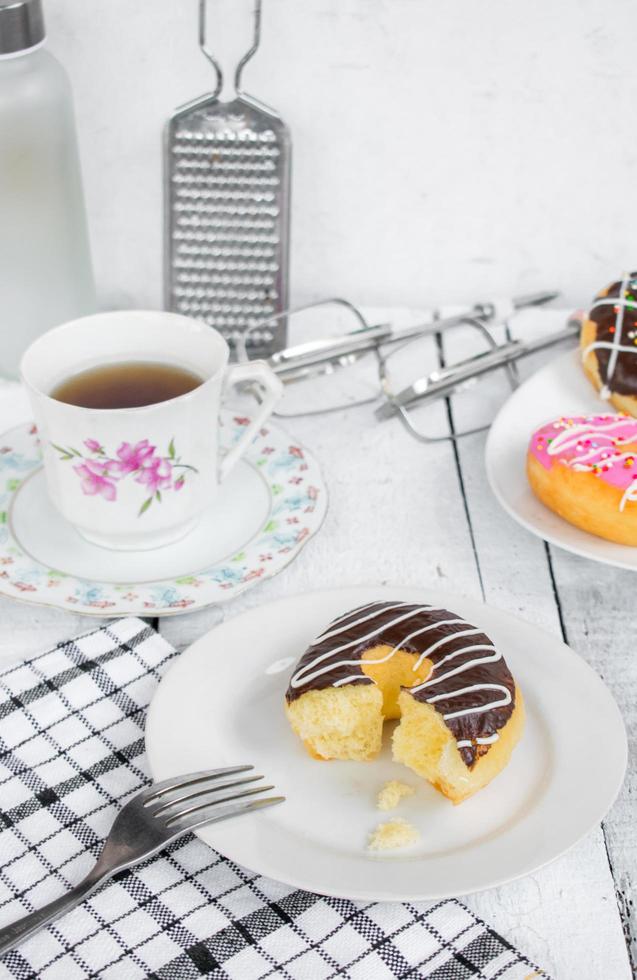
584 467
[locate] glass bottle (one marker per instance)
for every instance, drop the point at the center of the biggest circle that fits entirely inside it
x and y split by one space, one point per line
46 275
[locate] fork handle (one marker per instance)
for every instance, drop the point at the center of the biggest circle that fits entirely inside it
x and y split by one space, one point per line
15 933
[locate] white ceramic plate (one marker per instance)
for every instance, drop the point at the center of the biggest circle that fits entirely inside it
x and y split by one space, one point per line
560 388
270 506
222 703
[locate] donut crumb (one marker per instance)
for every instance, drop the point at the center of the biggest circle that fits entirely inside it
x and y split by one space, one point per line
392 793
392 835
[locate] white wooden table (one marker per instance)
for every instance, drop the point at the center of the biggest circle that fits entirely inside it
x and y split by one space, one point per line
403 513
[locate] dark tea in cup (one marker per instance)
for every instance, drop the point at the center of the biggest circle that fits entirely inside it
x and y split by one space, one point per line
126 384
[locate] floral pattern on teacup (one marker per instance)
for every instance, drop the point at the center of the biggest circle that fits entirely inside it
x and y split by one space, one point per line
298 501
100 473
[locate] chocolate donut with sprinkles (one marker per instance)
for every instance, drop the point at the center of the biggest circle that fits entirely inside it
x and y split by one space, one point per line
461 713
608 341
584 467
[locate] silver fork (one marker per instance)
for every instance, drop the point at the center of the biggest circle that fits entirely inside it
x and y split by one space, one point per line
147 824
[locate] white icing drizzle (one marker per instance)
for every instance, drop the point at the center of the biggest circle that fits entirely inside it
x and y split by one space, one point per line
581 466
349 615
466 743
318 666
619 326
606 345
477 709
462 667
630 495
445 639
570 437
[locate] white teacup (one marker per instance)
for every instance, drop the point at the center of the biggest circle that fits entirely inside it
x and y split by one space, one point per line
137 478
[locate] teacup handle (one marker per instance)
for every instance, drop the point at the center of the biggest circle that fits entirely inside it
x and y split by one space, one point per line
272 390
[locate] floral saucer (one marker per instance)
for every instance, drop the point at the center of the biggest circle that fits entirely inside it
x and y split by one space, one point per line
269 507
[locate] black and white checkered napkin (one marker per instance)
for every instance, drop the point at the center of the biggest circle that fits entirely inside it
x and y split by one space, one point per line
72 753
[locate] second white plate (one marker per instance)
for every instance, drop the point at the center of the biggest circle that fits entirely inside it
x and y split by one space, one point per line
222 704
560 388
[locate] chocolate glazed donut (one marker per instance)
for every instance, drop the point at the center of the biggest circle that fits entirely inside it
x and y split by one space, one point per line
469 684
609 334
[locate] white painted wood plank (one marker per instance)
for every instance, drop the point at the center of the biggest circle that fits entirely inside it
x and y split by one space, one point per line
513 563
597 604
26 629
549 913
563 917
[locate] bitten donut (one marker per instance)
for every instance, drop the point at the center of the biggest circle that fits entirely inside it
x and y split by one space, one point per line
584 467
460 711
608 341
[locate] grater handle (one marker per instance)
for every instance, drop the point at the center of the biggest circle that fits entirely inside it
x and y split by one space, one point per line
272 389
203 44
206 50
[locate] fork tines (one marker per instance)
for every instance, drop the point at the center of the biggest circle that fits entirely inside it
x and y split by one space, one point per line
188 802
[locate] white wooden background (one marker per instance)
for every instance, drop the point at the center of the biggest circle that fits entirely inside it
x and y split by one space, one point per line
441 150
402 513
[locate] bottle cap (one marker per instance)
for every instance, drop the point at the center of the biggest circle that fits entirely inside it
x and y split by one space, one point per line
21 25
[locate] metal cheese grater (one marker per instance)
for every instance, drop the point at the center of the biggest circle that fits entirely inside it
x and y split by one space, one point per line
228 210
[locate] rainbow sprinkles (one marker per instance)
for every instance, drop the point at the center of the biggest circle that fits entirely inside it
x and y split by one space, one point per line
605 445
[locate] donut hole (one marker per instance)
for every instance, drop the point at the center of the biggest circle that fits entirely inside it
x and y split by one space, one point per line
346 722
391 672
